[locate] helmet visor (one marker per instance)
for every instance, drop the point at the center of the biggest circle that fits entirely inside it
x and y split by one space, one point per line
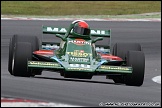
81 30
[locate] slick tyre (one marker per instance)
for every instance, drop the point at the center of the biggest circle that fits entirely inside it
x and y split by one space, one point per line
20 59
136 60
11 46
121 49
21 38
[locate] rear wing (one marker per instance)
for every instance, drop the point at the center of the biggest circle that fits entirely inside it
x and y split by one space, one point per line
94 33
63 31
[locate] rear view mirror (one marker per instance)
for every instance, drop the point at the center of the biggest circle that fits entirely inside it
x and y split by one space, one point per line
60 36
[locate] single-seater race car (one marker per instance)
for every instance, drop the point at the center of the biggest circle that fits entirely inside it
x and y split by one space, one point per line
77 55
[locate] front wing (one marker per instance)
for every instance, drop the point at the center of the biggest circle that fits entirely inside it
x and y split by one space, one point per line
102 69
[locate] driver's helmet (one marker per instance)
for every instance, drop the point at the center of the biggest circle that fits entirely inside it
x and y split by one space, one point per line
81 28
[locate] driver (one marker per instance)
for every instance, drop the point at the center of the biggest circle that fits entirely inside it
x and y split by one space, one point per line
81 28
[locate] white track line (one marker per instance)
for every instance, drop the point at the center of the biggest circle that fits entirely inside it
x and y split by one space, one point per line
157 79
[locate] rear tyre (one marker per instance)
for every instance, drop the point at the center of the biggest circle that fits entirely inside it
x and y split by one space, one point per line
121 49
136 60
11 46
21 38
20 59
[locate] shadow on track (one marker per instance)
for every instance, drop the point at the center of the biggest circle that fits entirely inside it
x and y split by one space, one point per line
77 80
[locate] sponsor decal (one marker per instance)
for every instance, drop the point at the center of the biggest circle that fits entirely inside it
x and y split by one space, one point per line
42 63
115 68
76 59
98 32
102 49
79 42
56 29
82 51
80 69
79 53
49 46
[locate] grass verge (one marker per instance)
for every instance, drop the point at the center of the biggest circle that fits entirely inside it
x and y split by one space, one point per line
61 8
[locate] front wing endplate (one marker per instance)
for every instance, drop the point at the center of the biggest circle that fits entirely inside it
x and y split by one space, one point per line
114 69
41 64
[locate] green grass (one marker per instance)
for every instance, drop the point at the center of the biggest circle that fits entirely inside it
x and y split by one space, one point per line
57 8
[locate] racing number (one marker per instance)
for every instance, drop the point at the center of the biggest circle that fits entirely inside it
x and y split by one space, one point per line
80 65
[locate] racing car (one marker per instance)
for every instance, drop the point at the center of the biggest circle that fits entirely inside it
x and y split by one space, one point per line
77 55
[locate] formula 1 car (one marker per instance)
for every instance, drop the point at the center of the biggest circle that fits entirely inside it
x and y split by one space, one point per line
77 56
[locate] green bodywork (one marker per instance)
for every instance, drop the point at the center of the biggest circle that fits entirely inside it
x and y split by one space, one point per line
78 54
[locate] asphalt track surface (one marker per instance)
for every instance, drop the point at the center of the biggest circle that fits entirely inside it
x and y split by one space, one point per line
52 87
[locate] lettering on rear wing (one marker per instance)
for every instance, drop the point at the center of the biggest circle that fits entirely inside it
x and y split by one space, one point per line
59 30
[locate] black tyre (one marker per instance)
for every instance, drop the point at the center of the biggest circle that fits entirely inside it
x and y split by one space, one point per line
11 46
20 58
21 38
135 59
121 49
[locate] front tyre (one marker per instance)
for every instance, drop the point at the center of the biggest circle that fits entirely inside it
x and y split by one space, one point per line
136 60
21 38
22 53
120 50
